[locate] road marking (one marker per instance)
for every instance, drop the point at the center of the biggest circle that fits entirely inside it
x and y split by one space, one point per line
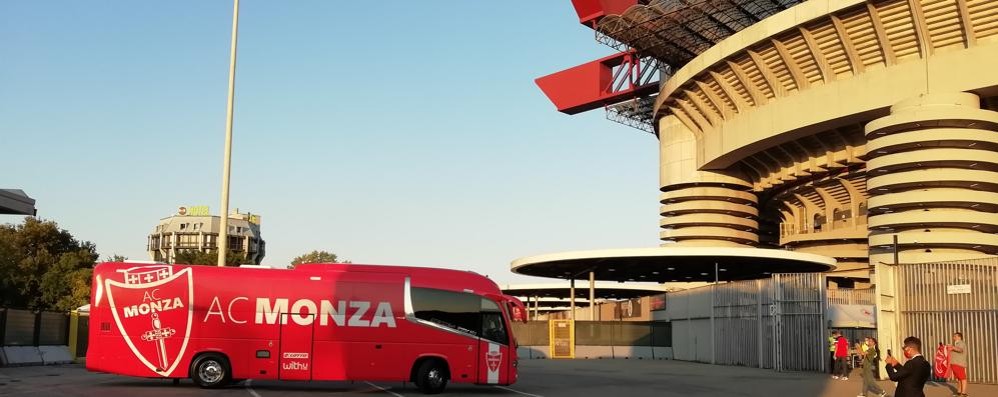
384 389
517 391
249 388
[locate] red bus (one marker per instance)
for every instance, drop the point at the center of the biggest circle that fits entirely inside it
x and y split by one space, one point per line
315 322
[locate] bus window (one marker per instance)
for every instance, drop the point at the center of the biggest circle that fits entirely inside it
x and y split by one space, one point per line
493 327
454 310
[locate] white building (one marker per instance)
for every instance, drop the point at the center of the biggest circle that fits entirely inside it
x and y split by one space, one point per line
193 228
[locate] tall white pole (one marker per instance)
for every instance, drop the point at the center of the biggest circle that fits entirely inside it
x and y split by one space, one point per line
223 231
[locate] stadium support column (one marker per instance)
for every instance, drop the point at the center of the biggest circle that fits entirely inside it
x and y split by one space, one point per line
701 208
932 177
571 297
592 296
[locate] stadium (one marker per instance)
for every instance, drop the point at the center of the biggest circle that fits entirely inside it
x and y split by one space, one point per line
853 139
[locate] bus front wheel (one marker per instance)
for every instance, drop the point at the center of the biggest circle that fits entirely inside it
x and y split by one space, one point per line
211 371
431 377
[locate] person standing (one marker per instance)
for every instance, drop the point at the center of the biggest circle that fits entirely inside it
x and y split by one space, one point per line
841 358
958 363
910 377
831 351
871 358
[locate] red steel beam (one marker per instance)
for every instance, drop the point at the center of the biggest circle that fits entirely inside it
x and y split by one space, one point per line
591 11
591 85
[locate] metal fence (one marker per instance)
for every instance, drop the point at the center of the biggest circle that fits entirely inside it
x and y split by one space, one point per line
742 324
774 323
934 300
799 334
27 328
865 296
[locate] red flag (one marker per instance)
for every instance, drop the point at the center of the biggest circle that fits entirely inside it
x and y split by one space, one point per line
941 367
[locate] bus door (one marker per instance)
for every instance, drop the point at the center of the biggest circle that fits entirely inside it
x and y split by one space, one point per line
296 346
493 346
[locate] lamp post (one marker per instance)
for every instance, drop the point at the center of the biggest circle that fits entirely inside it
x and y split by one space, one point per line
223 232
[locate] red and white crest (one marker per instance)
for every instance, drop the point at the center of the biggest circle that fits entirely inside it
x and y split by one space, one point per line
493 359
152 308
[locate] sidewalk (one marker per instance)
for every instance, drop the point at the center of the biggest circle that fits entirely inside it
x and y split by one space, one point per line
851 387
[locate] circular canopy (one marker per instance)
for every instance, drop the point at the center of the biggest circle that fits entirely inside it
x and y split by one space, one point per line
559 292
672 264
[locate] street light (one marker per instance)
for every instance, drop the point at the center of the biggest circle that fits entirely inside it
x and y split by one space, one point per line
223 232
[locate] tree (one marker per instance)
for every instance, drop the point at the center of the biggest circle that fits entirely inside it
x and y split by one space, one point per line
116 258
316 257
196 257
43 267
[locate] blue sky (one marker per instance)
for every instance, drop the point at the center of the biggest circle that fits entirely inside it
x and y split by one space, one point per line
393 132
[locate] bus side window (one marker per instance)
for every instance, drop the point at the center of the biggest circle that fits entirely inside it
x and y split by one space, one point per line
493 326
454 310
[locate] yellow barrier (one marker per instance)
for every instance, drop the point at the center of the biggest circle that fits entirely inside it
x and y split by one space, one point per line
562 338
74 335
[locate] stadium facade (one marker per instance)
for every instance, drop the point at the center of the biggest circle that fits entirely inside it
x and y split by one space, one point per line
864 131
824 126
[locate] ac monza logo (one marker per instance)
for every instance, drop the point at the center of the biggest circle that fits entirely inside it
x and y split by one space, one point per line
493 359
152 308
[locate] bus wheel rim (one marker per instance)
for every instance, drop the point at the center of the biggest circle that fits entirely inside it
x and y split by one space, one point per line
211 372
435 377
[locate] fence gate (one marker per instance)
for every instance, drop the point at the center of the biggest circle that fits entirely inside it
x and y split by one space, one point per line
937 299
562 338
798 315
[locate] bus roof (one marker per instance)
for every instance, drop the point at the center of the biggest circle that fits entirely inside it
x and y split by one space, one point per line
427 277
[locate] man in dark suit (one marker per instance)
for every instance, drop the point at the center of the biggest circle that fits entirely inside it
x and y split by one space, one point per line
912 376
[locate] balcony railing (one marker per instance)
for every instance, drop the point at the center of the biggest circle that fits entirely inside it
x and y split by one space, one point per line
788 229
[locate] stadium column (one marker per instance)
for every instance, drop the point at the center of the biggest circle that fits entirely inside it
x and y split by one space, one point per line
932 180
701 208
571 297
592 296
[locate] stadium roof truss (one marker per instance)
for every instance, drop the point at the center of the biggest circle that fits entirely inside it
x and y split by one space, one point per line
660 35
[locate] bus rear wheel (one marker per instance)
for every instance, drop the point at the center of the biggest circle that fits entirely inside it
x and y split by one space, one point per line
211 371
431 377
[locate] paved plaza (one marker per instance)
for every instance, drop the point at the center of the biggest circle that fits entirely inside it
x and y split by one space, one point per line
622 378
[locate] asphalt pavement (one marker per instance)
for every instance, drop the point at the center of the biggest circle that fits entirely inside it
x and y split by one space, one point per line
547 378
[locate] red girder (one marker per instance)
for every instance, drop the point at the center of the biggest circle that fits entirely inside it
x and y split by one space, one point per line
593 85
591 11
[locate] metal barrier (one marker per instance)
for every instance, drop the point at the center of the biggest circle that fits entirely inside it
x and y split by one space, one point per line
799 335
852 296
741 324
934 300
774 323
